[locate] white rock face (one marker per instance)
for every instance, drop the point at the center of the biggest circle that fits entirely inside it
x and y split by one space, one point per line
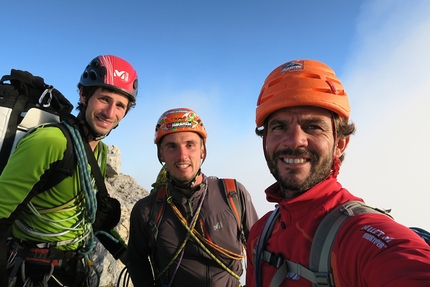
128 192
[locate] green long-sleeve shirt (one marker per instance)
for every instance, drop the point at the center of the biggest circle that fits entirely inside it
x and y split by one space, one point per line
62 206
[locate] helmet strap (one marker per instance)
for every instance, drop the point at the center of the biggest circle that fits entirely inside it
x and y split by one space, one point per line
336 161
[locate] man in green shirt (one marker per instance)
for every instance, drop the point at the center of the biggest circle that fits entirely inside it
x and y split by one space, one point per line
51 234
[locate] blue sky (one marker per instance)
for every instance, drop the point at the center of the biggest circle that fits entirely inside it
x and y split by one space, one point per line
213 56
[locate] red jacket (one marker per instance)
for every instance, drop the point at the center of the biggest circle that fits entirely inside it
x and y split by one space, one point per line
369 250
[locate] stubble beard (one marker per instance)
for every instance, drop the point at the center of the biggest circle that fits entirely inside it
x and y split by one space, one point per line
183 179
90 119
290 186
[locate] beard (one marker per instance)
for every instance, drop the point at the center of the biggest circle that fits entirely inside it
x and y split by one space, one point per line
183 181
320 168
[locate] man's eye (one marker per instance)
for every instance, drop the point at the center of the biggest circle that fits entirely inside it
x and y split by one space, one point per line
278 127
314 127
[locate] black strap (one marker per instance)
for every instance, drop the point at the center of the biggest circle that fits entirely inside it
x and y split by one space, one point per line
95 170
156 214
69 161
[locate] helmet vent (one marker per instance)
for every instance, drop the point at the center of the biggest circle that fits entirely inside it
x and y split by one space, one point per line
95 64
93 75
264 99
103 71
274 82
310 76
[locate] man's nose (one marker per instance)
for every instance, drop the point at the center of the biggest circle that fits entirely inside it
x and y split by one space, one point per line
295 137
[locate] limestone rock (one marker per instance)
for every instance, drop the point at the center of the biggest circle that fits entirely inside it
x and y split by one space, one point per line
128 192
113 161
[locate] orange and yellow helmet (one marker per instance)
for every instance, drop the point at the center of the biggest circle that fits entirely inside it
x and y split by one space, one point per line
179 120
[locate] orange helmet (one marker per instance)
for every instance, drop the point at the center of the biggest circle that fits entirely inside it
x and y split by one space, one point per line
301 83
111 72
179 120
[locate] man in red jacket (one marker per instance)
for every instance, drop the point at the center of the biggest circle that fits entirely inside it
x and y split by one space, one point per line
303 118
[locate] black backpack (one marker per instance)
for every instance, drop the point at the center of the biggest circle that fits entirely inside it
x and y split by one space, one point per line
25 102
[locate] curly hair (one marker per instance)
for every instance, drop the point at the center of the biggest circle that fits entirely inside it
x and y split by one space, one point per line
344 129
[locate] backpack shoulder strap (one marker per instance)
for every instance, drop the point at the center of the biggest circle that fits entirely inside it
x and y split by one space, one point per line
60 169
69 161
261 244
233 200
283 265
156 213
320 257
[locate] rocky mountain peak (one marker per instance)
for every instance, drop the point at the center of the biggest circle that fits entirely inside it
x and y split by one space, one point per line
128 192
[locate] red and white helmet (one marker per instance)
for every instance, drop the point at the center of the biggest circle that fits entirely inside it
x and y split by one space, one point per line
111 72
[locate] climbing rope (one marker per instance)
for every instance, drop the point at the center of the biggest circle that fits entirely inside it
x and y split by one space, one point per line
89 190
192 225
160 181
192 231
226 252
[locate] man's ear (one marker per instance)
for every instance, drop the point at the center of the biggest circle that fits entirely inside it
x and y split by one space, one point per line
81 97
341 147
160 154
202 153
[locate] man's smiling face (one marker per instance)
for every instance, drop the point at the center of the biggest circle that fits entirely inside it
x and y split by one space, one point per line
182 153
300 147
